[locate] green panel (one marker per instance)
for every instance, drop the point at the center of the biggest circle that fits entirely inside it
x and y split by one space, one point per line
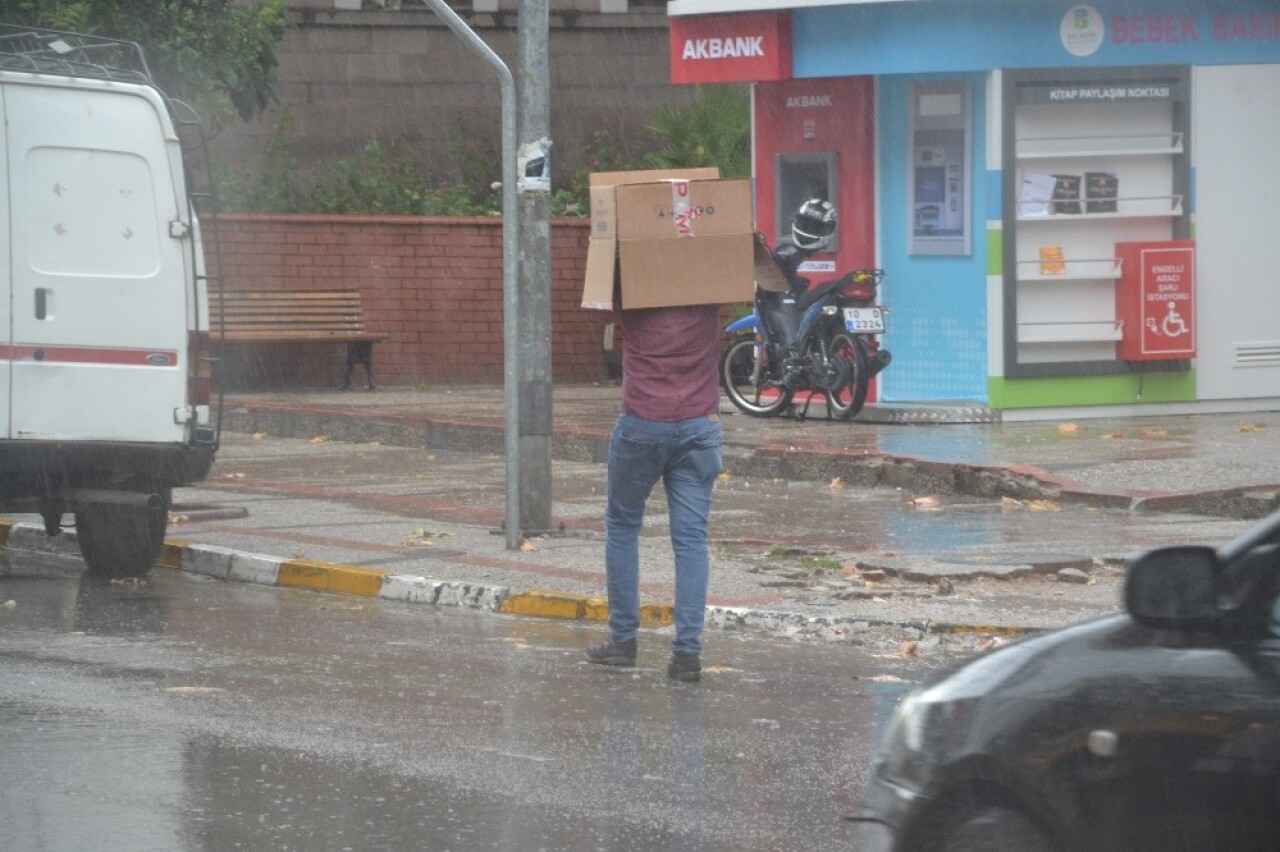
995 250
1065 391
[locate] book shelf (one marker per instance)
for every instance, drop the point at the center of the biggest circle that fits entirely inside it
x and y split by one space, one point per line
1071 332
1120 145
1074 269
1080 176
1130 207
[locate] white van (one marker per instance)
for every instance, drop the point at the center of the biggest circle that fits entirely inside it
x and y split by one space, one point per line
104 368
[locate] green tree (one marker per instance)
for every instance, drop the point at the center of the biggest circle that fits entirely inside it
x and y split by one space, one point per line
218 54
715 130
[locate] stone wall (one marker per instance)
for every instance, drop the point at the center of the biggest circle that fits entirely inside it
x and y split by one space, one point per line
345 77
433 284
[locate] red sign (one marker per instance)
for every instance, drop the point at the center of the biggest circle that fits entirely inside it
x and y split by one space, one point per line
1156 300
731 48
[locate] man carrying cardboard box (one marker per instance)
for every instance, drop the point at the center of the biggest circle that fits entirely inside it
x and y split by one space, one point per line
669 428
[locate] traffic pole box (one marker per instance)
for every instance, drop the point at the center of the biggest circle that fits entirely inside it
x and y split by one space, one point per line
1155 299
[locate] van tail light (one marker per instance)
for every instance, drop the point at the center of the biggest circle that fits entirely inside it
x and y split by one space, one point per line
200 371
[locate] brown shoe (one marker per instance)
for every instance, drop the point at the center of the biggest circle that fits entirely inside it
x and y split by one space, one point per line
685 667
612 653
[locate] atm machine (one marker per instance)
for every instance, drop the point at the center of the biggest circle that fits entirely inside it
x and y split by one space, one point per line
939 165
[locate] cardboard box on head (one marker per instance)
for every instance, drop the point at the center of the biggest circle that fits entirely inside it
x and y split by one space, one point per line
675 237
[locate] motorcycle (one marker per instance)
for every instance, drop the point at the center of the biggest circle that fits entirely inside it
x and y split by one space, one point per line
820 340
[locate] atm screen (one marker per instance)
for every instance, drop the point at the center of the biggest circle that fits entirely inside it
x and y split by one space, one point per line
930 184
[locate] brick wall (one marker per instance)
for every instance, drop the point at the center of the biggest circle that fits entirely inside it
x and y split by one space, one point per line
433 284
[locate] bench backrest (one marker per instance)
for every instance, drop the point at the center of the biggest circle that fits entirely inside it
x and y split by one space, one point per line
283 312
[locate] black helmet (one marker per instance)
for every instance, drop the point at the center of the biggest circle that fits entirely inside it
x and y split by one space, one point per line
813 225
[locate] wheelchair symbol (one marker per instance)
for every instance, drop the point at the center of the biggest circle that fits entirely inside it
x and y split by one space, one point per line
1173 326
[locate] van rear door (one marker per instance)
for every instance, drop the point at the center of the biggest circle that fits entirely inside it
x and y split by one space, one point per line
98 311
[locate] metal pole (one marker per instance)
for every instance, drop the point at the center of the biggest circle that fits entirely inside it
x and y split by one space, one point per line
510 263
534 198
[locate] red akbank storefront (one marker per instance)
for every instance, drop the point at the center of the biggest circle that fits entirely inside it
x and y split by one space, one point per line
812 138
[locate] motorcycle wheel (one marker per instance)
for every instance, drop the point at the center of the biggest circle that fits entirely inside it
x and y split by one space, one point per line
744 377
846 398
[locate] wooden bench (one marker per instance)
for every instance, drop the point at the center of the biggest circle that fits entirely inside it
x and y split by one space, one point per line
297 316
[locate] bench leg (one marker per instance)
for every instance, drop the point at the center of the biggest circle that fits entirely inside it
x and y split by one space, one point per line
359 353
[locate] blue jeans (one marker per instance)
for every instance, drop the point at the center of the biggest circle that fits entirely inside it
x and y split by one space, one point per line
686 456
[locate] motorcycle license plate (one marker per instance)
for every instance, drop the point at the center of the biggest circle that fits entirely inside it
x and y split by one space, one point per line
864 320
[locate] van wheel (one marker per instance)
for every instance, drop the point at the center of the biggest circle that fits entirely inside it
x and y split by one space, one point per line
119 541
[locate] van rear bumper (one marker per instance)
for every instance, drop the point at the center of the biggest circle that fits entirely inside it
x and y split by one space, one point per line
34 469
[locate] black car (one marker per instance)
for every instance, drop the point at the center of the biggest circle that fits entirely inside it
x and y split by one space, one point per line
1154 729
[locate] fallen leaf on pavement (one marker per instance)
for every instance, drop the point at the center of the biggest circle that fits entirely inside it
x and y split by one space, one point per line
1068 428
719 669
724 476
526 544
1155 433
838 483
1008 503
929 502
1044 506
848 569
1116 434
10 604
989 643
258 436
1246 428
319 439
910 648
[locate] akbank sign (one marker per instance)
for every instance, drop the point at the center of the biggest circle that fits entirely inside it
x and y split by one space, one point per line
731 48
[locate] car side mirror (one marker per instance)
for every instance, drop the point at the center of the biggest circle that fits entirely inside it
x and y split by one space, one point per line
1174 587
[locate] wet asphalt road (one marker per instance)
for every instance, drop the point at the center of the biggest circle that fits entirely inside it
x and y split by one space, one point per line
188 714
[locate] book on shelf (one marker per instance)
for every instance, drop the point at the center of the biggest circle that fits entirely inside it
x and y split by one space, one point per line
1051 262
1066 194
1100 191
1037 190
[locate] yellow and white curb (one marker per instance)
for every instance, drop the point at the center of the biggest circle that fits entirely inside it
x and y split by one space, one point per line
239 566
224 563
